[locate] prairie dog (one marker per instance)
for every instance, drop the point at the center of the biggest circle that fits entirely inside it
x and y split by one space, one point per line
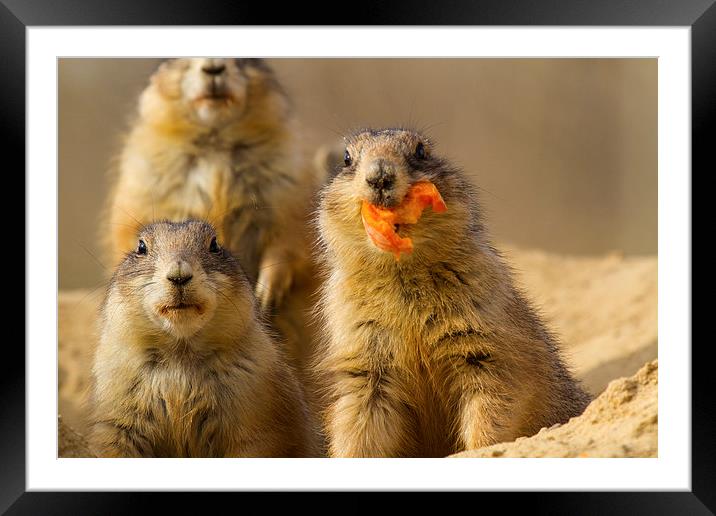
183 367
215 139
437 352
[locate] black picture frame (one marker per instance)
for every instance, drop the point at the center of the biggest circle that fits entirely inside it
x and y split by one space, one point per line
17 15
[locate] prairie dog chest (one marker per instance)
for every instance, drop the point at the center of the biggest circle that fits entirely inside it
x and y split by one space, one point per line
405 316
375 318
207 183
228 185
186 408
179 391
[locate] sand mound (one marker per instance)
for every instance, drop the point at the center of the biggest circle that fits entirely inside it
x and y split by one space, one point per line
622 422
604 309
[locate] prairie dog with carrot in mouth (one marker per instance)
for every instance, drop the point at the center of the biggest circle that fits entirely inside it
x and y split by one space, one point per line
184 368
437 351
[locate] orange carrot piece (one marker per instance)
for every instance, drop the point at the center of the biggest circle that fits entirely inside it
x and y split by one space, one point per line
379 222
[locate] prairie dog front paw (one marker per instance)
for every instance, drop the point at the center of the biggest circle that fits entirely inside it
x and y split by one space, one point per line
274 280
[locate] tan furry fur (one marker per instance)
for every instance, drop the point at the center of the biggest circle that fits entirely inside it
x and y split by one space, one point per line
187 370
438 352
223 147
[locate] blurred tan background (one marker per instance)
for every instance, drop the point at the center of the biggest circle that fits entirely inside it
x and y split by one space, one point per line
564 150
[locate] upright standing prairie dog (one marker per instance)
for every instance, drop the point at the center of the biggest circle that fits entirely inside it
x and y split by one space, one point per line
183 367
437 352
216 139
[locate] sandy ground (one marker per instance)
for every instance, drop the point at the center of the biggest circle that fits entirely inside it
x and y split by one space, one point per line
603 308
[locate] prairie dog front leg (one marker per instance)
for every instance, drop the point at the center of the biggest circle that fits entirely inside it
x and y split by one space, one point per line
484 413
371 415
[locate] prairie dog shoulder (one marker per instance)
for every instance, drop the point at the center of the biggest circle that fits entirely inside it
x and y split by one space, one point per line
439 347
183 367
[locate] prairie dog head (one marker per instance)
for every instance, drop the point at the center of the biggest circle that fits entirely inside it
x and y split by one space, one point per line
179 282
211 92
380 166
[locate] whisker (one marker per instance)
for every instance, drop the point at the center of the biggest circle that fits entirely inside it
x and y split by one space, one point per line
131 226
221 293
286 262
140 225
95 290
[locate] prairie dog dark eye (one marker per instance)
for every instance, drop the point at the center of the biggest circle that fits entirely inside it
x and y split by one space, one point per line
141 247
347 158
213 246
420 151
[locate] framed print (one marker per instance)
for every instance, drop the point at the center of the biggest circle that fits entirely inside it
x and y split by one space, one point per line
430 251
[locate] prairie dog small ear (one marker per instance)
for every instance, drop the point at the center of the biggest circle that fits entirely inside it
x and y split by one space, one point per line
161 69
165 63
171 63
167 76
328 161
257 63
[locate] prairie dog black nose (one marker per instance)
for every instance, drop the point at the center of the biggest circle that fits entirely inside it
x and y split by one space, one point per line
380 176
180 273
213 68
